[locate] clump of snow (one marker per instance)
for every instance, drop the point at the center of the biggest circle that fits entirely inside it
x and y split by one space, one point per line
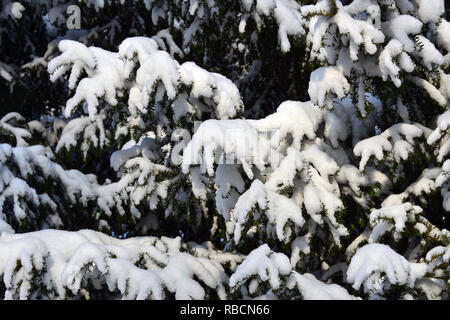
308 172
433 92
375 145
380 258
157 72
444 175
324 82
212 85
289 21
237 138
74 258
14 10
390 217
430 11
443 30
229 184
138 171
387 65
90 133
312 289
286 13
298 119
438 257
278 208
360 32
428 52
399 146
265 264
8 122
401 27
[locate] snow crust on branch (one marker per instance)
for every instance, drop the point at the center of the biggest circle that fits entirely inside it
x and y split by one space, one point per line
313 289
307 171
380 258
290 177
157 73
377 145
75 258
264 263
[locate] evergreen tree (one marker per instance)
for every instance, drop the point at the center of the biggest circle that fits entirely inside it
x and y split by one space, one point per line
212 149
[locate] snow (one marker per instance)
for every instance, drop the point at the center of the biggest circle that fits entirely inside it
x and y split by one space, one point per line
320 6
426 182
166 43
437 257
299 245
401 27
318 27
198 185
430 11
112 261
292 117
290 180
428 52
5 227
77 186
14 10
157 73
212 85
265 264
278 209
442 123
141 183
71 51
321 161
313 289
443 30
286 13
335 129
90 132
159 66
288 19
387 65
402 147
402 110
336 36
433 288
147 147
319 196
397 215
405 6
104 69
379 144
237 138
377 258
229 184
217 141
360 31
350 174
254 195
285 173
312 202
444 175
432 91
29 253
375 145
7 122
323 82
141 47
